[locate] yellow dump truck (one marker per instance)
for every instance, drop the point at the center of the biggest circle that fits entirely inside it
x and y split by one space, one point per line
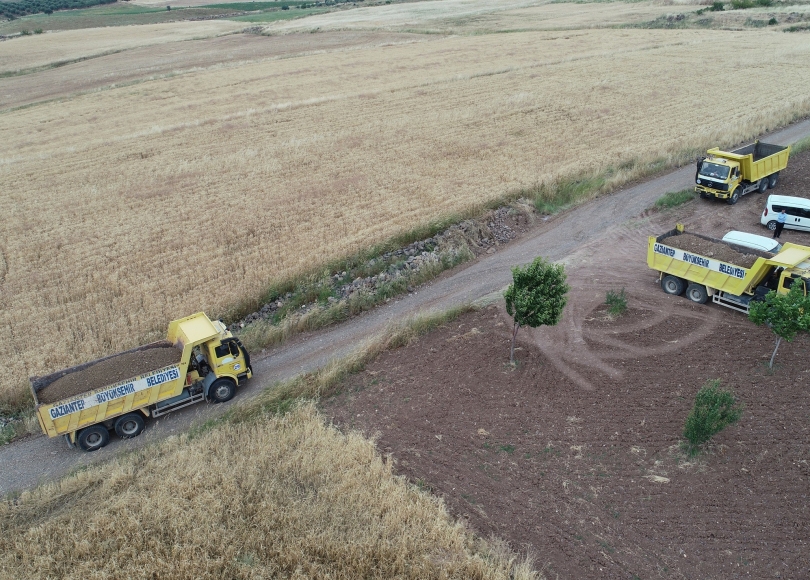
727 284
200 360
730 175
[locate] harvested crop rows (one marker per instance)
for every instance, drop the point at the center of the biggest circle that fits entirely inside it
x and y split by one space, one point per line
136 205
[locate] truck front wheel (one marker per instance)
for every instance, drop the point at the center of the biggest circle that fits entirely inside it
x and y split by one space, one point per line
697 293
221 390
735 196
93 438
672 285
130 425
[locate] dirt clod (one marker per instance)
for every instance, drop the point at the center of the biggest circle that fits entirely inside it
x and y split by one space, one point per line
709 249
109 371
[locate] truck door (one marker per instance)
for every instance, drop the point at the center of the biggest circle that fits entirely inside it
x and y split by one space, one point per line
788 280
229 357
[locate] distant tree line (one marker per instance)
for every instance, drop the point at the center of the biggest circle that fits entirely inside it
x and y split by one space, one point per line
12 10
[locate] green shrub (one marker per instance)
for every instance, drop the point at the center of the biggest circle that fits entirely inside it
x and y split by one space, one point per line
715 409
716 7
37 31
616 301
675 198
772 21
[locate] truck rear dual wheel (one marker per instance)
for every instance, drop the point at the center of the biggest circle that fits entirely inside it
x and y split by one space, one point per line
221 390
773 180
672 285
697 293
93 438
130 425
763 184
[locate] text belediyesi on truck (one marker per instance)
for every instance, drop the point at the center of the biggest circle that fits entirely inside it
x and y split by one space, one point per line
200 359
731 174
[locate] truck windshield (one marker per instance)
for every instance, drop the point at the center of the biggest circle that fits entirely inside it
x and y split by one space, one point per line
714 170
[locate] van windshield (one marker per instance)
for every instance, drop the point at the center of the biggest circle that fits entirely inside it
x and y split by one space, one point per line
714 170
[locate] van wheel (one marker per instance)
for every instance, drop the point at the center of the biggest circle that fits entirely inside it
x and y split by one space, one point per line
221 390
763 185
734 196
130 425
697 293
93 438
773 180
672 285
772 225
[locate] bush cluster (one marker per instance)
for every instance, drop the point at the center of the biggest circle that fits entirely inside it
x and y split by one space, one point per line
13 10
715 409
616 301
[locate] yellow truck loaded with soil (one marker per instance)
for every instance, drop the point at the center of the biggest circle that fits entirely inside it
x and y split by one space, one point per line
730 175
729 274
200 359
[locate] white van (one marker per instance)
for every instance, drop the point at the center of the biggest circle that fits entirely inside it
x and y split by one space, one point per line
753 241
796 208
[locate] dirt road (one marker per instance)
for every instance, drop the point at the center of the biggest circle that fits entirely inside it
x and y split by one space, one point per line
28 462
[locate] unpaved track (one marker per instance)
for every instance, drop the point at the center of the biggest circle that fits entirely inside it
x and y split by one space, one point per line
36 459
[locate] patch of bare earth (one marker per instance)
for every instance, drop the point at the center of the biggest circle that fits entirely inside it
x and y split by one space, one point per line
575 453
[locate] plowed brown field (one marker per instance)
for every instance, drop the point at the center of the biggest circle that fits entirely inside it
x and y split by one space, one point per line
576 452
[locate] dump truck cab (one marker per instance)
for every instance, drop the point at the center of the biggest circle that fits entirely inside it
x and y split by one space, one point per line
718 174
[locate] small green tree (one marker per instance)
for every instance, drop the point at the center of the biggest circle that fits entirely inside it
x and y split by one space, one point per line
715 409
785 314
536 296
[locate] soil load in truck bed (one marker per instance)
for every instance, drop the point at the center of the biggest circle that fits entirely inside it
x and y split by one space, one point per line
710 249
109 371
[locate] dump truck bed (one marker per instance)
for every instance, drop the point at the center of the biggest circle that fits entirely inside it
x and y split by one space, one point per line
724 276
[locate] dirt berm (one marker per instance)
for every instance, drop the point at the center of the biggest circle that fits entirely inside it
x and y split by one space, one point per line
716 250
109 371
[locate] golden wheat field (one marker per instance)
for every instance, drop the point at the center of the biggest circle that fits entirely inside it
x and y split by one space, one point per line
68 45
131 206
282 498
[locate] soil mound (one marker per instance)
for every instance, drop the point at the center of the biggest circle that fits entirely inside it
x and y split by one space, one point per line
715 250
109 371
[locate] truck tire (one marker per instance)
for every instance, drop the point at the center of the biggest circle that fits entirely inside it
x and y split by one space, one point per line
129 425
772 225
763 185
93 438
773 180
221 390
735 197
697 293
672 285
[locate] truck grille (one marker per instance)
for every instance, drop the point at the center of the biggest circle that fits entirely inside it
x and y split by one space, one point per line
712 184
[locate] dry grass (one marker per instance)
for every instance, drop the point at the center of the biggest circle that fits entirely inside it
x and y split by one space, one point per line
31 52
132 206
474 16
281 497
